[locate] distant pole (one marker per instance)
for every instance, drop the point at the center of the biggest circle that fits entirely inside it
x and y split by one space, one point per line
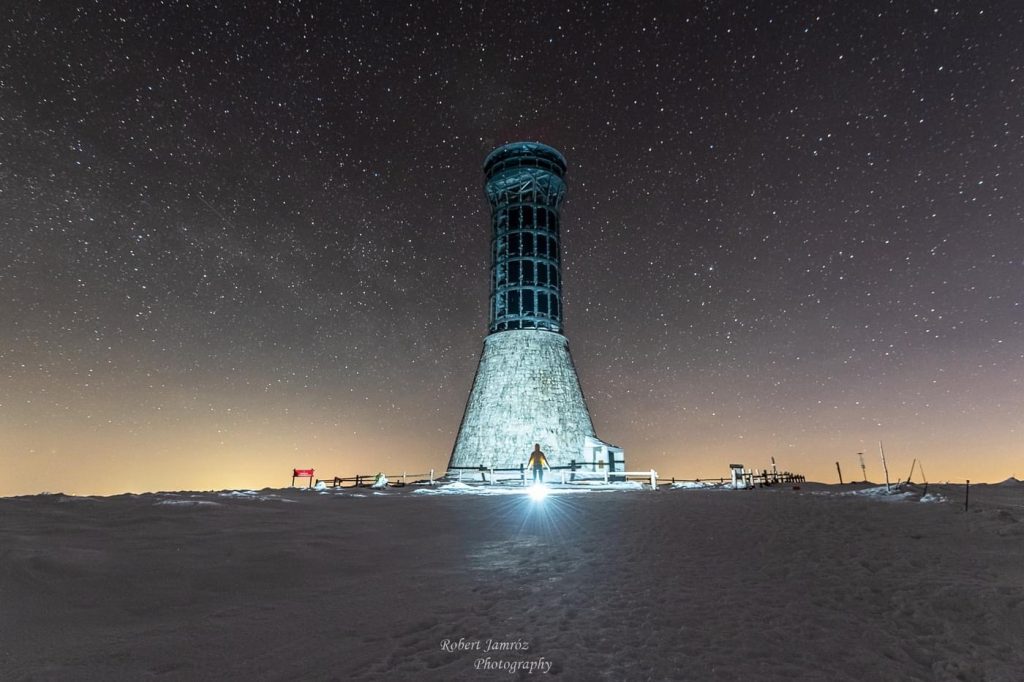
912 464
840 473
863 469
884 466
967 494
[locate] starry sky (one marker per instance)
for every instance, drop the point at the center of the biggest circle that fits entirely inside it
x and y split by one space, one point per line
241 238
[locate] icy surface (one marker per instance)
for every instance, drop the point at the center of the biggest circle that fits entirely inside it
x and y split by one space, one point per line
764 584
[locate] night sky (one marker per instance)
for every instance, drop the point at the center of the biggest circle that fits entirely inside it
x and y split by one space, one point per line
237 239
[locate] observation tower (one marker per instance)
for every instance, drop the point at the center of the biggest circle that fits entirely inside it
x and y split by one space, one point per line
526 390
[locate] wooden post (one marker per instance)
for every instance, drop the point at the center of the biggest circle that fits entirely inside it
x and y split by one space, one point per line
967 494
840 473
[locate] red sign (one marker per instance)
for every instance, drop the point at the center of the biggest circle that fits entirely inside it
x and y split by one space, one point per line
302 472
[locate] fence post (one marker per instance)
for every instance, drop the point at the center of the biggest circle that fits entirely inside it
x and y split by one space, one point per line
431 477
967 494
492 475
522 474
654 479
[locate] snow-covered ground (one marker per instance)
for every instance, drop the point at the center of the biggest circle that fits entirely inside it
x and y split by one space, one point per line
586 584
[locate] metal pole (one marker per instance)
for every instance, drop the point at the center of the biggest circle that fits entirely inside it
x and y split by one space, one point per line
884 466
912 465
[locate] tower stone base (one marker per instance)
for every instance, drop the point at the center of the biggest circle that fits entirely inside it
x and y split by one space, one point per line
526 391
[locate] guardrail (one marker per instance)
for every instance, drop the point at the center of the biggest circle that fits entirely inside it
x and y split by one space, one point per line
575 475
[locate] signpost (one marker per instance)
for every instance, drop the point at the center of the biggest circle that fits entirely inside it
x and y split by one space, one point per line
302 473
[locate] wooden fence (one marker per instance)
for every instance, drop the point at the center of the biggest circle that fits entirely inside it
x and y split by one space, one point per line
367 480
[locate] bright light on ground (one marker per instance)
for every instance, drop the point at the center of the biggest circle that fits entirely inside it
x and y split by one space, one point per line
538 492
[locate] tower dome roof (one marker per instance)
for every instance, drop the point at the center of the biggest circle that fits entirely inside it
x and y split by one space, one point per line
524 154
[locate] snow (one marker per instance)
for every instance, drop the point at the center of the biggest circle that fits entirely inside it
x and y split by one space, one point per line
701 584
188 503
884 493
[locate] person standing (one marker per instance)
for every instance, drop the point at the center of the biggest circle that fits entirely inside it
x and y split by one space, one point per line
538 461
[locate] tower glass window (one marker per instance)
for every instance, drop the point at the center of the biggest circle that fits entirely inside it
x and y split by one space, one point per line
525 186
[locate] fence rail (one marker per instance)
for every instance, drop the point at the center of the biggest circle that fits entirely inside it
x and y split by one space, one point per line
574 472
367 480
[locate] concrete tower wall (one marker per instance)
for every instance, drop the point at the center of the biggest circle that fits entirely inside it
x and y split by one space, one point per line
525 392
